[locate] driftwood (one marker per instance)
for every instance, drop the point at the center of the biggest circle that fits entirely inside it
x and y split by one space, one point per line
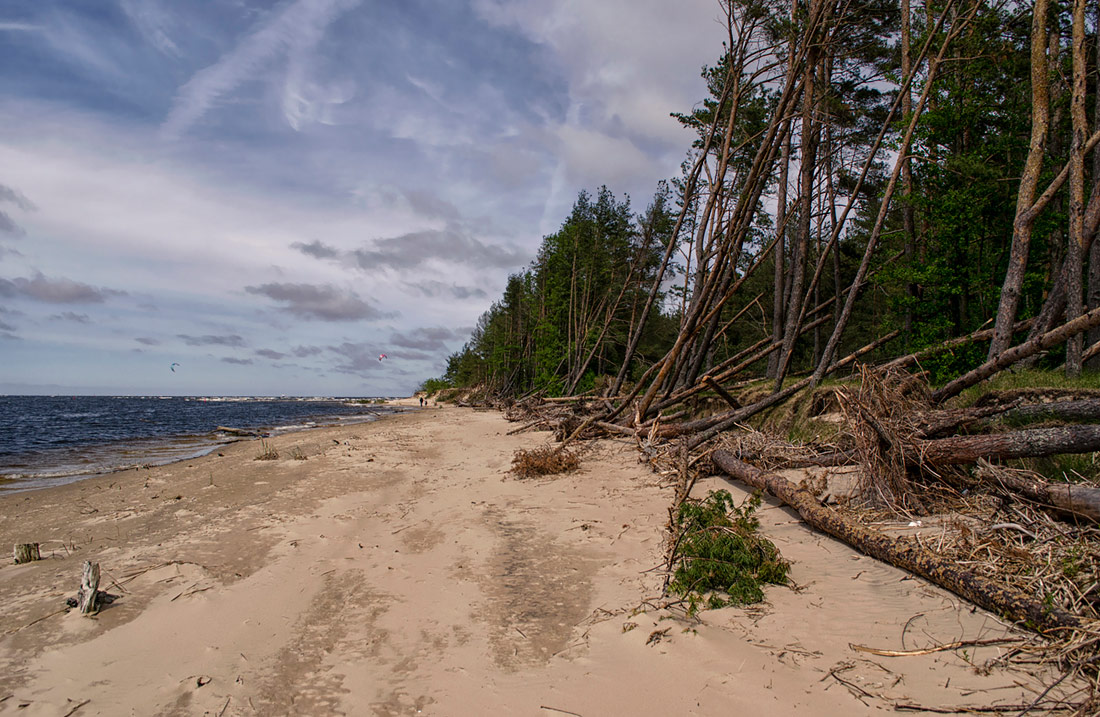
89 589
1030 443
1000 599
27 553
237 431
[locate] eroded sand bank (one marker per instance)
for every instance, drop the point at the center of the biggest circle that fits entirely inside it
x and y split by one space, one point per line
397 568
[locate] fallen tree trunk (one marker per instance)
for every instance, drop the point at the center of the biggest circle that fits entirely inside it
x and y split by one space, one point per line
709 427
980 335
1030 443
1063 333
1085 409
1002 600
1078 501
939 422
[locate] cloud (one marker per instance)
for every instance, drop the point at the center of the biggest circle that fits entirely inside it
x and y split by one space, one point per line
356 357
151 21
146 341
316 249
296 27
70 316
325 302
430 206
7 194
7 224
56 291
426 339
231 340
434 289
5 326
450 245
307 351
19 27
237 361
269 353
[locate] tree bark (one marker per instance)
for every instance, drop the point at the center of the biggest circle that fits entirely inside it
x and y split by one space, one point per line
1000 599
1025 198
1077 501
89 588
1076 253
1029 443
27 553
1085 409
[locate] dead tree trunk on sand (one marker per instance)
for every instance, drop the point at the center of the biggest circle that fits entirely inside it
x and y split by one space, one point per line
999 599
89 589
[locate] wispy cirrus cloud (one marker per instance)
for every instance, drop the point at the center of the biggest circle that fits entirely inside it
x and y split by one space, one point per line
152 20
296 28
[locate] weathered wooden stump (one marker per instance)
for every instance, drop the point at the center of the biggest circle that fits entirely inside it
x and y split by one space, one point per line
27 553
89 588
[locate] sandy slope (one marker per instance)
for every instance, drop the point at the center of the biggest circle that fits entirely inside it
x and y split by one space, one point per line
398 569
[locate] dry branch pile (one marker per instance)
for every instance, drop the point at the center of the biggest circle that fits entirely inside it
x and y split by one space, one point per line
1001 536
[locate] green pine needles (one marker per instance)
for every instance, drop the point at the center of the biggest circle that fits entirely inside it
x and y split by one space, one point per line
720 558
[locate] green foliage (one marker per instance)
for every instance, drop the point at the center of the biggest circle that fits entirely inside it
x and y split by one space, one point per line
432 385
720 558
567 318
944 364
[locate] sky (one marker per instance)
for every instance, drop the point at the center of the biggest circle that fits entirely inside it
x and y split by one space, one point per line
273 194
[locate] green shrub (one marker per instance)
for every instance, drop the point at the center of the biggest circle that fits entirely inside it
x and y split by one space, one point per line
720 556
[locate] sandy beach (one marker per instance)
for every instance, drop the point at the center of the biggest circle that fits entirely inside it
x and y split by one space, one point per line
397 568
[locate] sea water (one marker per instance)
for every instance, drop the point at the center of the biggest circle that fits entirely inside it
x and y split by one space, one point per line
50 440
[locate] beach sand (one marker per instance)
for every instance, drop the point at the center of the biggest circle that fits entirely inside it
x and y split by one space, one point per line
397 568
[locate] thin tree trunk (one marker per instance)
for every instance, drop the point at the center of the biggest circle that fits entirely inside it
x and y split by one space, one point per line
1025 214
1017 353
1074 303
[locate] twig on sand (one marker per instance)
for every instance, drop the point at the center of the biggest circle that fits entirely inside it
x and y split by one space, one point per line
224 707
74 709
33 622
937 648
850 685
555 709
976 709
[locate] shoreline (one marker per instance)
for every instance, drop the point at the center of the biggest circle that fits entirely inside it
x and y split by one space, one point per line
398 568
160 450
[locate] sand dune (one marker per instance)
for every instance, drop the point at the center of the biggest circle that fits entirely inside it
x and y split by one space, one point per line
396 568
